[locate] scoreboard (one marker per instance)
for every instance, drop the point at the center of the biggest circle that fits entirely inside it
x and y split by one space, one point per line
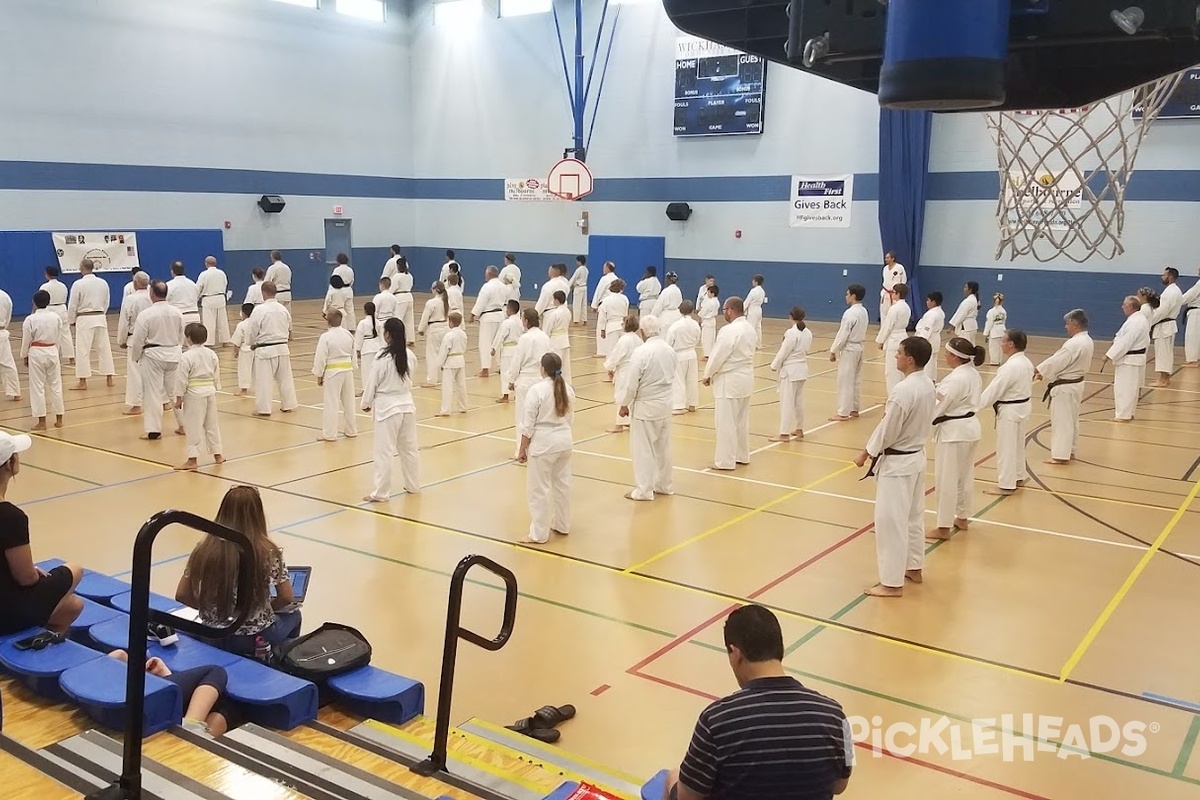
718 90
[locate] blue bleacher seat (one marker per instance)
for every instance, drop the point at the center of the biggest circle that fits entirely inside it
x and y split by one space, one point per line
49 564
98 688
378 694
269 697
187 653
40 669
656 786
158 602
93 614
100 588
566 790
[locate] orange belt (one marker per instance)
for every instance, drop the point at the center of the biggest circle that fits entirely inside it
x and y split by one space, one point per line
43 344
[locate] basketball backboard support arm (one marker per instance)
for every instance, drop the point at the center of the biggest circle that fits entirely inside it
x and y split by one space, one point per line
579 92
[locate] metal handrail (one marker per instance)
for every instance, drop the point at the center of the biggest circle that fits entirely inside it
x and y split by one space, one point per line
129 785
454 631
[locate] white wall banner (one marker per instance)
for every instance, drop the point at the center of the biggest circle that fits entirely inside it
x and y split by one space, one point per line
1045 200
527 189
821 202
110 252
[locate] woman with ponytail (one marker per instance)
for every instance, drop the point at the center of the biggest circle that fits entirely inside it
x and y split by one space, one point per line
791 362
956 434
388 390
433 326
402 284
965 321
546 443
366 340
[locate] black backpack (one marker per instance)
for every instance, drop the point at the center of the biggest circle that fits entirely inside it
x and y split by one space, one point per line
328 651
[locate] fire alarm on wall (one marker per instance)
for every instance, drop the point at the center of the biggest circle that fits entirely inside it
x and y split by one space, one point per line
737 234
337 211
228 225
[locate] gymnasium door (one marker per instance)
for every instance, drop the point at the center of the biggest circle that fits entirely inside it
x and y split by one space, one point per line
631 254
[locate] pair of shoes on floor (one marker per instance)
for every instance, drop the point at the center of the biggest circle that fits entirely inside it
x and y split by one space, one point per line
544 722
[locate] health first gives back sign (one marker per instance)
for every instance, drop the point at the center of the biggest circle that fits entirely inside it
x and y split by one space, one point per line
821 202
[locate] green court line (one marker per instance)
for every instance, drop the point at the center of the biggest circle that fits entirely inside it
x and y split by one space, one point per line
853 604
1185 752
27 465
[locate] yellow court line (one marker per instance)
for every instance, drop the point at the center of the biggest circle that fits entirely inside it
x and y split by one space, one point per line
1105 615
739 518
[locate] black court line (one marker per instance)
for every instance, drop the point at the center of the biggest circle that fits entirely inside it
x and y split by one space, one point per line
1187 476
47 767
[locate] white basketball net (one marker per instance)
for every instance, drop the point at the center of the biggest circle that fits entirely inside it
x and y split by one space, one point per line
1063 173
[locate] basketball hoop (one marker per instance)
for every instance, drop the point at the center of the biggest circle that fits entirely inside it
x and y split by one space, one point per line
1063 173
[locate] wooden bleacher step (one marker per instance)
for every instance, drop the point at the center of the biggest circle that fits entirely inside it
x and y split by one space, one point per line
25 773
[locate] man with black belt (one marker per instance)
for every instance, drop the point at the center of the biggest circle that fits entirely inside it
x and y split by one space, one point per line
1009 396
213 286
132 305
1191 335
86 310
489 310
58 305
1064 373
280 274
897 453
268 332
1128 356
1163 327
183 293
157 346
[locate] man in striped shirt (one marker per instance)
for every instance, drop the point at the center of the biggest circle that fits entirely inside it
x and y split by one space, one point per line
775 738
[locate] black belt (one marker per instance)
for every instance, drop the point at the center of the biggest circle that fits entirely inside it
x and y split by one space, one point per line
266 344
490 311
149 345
1193 308
1160 322
1140 352
888 451
947 417
996 405
211 295
57 305
1059 382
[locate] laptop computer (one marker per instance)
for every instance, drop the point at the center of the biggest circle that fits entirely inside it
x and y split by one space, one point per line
300 577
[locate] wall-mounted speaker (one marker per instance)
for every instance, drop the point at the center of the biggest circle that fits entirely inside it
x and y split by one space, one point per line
271 203
679 211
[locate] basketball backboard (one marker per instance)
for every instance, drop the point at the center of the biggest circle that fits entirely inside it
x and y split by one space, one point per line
1057 53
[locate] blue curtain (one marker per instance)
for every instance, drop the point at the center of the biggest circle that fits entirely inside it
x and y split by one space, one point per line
903 172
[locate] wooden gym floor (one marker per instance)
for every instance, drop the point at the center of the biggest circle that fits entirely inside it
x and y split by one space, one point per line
1069 600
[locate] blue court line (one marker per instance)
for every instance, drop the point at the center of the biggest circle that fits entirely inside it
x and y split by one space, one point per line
1172 701
98 488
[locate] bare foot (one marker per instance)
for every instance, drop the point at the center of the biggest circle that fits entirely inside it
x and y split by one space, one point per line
190 464
262 413
839 418
853 414
962 524
629 496
218 458
1192 364
1020 483
373 499
617 429
79 387
41 426
678 412
879 590
109 381
723 469
1124 421
15 399
180 432
783 437
941 534
483 373
1057 462
999 492
797 434
443 415
58 421
692 408
502 400
134 411
914 575
150 437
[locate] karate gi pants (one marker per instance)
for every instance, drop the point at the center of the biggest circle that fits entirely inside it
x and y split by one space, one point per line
650 447
1127 384
8 367
891 374
1064 421
968 335
200 424
66 345
685 390
899 526
995 351
434 335
338 401
396 435
604 346
45 380
91 334
404 312
849 382
935 347
1164 354
619 377
1010 453
733 432
488 325
216 319
454 389
1191 338
564 353
885 304
708 337
954 473
506 356
158 382
521 388
754 316
579 306
791 406
270 371
245 362
133 383
548 490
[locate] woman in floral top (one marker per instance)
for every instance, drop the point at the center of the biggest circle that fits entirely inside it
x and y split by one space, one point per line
209 582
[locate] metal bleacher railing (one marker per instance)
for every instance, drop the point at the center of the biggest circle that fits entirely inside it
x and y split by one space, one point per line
454 631
129 785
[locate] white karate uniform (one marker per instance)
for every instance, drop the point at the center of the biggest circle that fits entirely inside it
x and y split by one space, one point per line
525 371
268 331
385 306
597 298
183 293
198 379
280 274
402 287
666 307
1129 368
891 333
900 477
445 273
454 296
1009 394
731 368
683 336
929 327
610 320
8 365
58 304
334 362
508 333
452 363
966 319
646 391
756 298
132 305
368 341
548 475
86 311
489 310
958 394
390 270
254 293
340 300
389 395
510 276
994 329
345 272
40 334
708 310
791 362
245 358
1190 302
892 276
648 290
213 286
557 324
433 326
157 345
1069 363
545 299
579 303
848 347
618 364
1163 327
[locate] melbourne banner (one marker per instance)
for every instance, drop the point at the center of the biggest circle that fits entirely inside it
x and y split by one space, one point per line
109 252
821 202
526 189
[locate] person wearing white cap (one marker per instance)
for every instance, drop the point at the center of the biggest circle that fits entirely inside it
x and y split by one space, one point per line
956 434
40 337
666 307
8 367
30 597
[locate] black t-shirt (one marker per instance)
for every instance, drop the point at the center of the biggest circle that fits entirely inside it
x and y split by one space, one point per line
14 532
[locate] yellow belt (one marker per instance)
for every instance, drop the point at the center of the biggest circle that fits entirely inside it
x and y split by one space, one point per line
510 344
201 382
452 355
339 365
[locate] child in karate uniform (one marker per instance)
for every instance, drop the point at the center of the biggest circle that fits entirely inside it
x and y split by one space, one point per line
557 322
710 309
451 360
198 381
994 329
366 338
505 345
333 365
240 342
618 363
